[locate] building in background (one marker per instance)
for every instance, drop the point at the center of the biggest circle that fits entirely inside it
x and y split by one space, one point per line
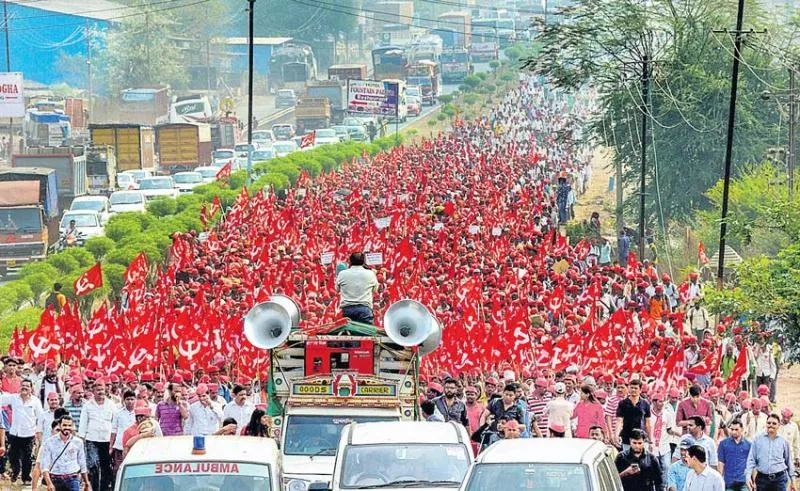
40 31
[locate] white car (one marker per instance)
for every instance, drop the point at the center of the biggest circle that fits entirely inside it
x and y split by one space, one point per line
221 156
263 138
137 174
401 455
154 187
126 181
325 137
86 221
122 201
209 173
263 154
573 464
186 181
93 203
284 148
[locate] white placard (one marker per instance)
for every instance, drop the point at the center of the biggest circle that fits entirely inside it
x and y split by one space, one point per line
497 231
326 258
438 226
382 223
374 258
473 229
12 99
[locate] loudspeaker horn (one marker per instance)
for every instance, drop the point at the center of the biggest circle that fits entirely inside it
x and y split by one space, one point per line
433 340
290 305
408 323
267 325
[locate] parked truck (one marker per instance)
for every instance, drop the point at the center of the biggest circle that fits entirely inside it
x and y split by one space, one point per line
334 91
29 214
133 144
425 74
343 73
225 132
183 147
43 127
69 164
456 65
149 106
312 113
101 169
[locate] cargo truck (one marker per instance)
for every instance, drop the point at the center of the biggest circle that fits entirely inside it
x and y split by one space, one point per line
29 214
343 73
101 169
148 106
225 132
334 91
455 29
69 163
312 113
456 65
183 147
133 144
425 74
351 373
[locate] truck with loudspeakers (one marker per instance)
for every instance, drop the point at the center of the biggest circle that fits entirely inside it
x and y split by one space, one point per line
324 378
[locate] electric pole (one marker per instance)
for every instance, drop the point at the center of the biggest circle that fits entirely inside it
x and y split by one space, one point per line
250 128
646 68
90 88
792 154
8 69
726 183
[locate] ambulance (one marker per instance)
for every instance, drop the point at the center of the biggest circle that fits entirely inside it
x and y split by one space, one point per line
215 463
327 378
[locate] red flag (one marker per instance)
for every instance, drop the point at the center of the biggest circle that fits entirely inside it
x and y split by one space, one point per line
137 270
739 370
556 301
701 253
88 281
308 140
215 207
225 171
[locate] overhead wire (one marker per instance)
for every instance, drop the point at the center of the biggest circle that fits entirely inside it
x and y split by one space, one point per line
747 65
82 13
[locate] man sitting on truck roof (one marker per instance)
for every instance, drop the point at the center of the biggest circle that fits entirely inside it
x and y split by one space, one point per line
357 285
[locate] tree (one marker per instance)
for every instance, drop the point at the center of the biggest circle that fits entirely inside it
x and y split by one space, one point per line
603 43
140 53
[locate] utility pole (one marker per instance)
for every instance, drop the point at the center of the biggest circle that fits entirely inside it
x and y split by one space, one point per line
792 154
250 92
726 183
8 69
90 88
646 68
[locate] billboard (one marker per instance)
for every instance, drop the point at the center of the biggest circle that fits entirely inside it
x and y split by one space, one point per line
372 97
12 100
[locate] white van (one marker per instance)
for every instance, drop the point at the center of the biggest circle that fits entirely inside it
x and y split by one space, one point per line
401 455
544 464
237 463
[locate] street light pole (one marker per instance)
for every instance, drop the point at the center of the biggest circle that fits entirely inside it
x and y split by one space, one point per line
250 93
792 154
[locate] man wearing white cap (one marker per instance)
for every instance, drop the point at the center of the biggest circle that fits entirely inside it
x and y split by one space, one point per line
559 410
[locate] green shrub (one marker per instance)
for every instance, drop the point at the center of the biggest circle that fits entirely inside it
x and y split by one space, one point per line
482 75
494 64
432 122
27 317
17 292
449 110
85 258
38 267
471 81
99 247
114 275
470 99
64 263
124 225
446 99
162 207
39 283
507 77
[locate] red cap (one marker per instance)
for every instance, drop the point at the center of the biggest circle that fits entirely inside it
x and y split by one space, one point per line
762 390
437 387
492 380
713 392
674 392
201 389
177 379
743 394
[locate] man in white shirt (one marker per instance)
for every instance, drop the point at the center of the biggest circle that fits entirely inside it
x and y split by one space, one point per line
203 418
662 421
124 418
356 286
97 416
26 410
790 431
44 427
701 476
239 408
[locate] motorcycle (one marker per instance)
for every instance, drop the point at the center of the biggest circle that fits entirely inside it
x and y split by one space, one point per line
72 239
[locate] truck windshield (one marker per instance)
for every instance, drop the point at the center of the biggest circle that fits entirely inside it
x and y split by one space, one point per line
21 220
446 465
156 183
319 435
529 477
188 178
209 476
455 58
190 108
88 204
419 80
226 154
123 198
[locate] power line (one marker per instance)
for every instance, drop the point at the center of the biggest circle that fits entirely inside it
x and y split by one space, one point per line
70 24
456 4
82 12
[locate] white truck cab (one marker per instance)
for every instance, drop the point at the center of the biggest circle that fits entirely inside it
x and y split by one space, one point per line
239 463
398 455
310 437
544 464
